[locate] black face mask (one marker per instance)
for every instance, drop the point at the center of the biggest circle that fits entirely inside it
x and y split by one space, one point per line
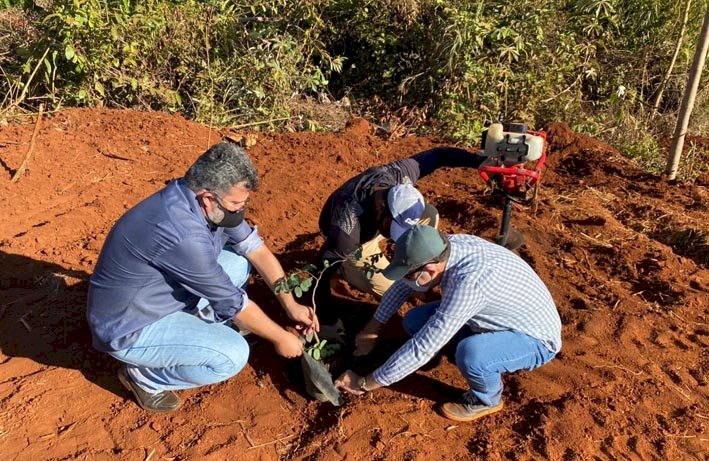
231 218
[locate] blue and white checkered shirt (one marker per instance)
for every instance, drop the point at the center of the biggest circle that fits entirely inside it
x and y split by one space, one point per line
485 286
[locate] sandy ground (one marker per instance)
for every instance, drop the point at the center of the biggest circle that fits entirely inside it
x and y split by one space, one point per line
624 254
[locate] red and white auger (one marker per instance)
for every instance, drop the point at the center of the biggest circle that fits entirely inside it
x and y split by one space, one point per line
510 149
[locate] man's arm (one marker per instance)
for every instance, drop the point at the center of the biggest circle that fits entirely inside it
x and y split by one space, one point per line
254 319
392 300
271 270
453 157
193 265
412 355
453 312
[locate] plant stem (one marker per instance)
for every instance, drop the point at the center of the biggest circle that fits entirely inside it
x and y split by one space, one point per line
317 281
26 87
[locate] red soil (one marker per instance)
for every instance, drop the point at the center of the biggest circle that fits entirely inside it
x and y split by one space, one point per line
624 254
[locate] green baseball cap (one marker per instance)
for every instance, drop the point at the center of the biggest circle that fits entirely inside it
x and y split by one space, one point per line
416 247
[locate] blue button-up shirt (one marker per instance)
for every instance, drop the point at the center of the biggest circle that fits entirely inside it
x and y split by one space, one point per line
160 258
485 286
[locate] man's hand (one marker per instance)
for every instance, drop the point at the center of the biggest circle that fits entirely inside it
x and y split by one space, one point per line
305 316
270 269
349 382
288 345
364 343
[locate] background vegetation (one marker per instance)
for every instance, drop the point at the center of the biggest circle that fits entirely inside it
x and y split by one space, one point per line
445 65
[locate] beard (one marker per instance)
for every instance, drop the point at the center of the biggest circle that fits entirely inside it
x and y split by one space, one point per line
215 216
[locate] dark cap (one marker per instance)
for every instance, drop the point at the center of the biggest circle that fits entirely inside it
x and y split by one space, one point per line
417 246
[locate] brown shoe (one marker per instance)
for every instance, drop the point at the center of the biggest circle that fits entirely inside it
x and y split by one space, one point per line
468 408
162 402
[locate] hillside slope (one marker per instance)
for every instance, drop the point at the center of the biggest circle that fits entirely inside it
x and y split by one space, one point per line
624 254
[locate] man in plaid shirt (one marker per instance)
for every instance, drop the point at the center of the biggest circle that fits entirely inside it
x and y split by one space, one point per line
493 304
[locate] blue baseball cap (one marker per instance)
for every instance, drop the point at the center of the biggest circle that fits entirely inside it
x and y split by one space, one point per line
406 206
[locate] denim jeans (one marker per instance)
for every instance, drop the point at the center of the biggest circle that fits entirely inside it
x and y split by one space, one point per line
483 357
183 351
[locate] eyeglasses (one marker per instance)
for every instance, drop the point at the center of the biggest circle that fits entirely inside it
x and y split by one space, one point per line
233 206
415 273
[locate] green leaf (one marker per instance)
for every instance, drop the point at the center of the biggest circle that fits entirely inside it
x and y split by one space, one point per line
326 264
329 350
298 292
69 52
316 354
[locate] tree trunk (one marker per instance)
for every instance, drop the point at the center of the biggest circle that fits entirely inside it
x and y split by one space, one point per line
690 92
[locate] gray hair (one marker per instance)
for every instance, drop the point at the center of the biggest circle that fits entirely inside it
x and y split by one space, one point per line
223 166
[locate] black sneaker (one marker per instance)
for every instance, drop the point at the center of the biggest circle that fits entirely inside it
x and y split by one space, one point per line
162 402
468 408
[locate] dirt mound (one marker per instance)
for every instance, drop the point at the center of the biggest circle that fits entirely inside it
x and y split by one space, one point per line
624 254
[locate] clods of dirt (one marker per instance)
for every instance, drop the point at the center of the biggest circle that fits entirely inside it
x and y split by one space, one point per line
623 253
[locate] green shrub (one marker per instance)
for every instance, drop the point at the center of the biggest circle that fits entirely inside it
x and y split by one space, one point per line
470 62
219 62
595 64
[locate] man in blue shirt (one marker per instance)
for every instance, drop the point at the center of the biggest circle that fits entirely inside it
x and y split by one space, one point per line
171 274
493 305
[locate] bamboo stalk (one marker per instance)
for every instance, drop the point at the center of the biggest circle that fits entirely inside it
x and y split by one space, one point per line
690 92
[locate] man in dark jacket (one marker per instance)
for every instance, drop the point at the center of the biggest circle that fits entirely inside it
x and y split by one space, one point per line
382 202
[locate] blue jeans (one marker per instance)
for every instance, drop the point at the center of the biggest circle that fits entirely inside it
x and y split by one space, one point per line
183 351
483 357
